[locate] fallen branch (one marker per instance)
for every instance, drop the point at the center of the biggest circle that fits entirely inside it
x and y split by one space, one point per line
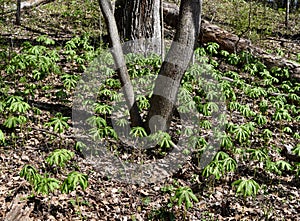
270 93
62 136
232 42
31 4
27 5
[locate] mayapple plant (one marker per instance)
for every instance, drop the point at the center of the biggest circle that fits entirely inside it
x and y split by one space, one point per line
58 123
246 187
43 184
185 195
59 157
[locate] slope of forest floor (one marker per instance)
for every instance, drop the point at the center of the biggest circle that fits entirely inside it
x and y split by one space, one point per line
263 107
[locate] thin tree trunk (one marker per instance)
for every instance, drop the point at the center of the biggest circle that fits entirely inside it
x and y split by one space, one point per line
287 12
177 61
161 14
18 13
118 56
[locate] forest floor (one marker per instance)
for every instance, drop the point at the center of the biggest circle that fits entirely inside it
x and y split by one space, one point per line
105 198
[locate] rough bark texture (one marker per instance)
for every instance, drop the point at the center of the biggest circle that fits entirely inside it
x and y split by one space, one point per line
177 60
139 22
231 42
118 56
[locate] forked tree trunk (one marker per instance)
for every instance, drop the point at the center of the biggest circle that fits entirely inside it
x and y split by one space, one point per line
119 60
177 61
172 70
139 23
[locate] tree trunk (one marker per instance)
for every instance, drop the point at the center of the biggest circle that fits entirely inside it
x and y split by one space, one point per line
139 23
18 13
287 13
118 56
177 61
232 43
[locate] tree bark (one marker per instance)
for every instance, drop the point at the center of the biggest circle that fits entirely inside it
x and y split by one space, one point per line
139 23
177 60
233 43
118 56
